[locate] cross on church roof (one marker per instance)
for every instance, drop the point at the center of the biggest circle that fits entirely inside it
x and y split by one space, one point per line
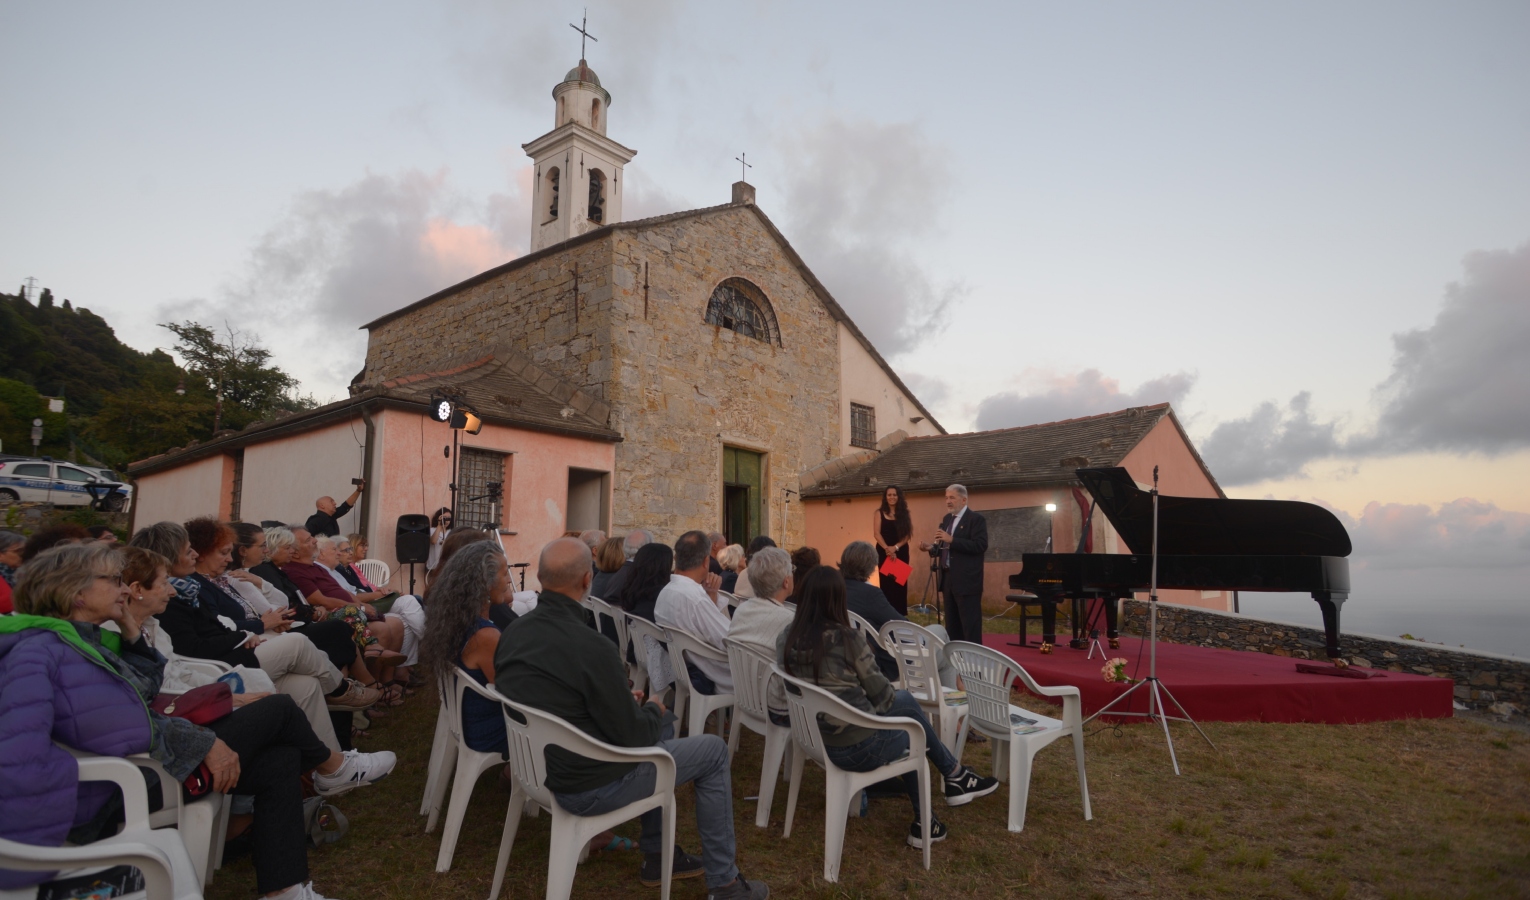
742 175
583 22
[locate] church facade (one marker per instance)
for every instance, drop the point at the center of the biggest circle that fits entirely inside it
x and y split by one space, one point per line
723 363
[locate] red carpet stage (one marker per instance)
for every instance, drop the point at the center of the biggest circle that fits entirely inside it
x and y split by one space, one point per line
1237 686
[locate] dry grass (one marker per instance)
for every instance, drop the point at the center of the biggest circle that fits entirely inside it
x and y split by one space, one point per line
1437 808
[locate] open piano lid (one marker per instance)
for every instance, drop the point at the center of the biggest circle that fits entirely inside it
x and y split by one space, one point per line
1212 526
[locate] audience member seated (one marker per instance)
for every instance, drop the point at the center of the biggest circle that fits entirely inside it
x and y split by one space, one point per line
742 587
51 536
732 561
326 518
690 602
821 648
635 540
856 564
459 635
759 621
102 534
651 569
453 542
593 538
378 639
716 541
551 660
249 552
194 621
609 560
10 557
66 595
804 560
353 549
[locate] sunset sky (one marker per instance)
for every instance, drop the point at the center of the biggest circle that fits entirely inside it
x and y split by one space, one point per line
1305 224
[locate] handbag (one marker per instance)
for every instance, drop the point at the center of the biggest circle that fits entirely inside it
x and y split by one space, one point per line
200 705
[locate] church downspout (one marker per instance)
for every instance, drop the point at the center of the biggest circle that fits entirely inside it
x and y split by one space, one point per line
366 472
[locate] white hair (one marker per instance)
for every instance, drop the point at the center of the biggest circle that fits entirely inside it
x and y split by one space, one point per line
961 490
325 542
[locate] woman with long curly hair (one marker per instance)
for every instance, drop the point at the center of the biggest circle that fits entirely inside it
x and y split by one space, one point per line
893 529
651 569
459 634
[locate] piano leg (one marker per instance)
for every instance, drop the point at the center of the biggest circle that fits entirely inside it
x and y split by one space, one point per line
1331 604
1111 631
1048 623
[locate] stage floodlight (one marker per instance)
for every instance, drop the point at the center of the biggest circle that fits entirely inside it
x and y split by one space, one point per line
466 420
441 409
1051 507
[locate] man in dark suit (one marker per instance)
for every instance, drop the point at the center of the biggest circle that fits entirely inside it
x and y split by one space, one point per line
963 541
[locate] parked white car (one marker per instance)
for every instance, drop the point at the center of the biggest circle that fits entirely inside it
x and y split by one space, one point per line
59 483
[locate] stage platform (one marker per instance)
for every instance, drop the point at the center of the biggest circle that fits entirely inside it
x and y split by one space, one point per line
1236 686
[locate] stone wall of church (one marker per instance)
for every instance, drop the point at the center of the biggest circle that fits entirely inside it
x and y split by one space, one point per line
637 338
531 308
682 389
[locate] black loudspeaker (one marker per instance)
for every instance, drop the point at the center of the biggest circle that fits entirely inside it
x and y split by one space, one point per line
411 542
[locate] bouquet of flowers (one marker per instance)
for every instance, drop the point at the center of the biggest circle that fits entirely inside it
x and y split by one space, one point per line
1115 671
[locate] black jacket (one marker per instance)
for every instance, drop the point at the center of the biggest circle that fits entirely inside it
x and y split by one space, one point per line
968 546
871 604
326 524
196 632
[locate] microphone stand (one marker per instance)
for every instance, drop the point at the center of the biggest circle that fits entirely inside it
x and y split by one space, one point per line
1156 690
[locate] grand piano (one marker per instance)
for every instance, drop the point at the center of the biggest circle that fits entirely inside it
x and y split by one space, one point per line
1206 544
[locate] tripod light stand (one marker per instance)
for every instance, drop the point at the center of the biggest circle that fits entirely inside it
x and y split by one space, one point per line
1156 690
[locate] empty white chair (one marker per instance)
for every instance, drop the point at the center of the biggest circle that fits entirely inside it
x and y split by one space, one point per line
805 702
685 646
917 651
529 738
468 763
752 674
375 571
159 853
988 675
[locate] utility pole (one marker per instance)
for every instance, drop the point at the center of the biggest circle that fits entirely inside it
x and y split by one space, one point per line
31 290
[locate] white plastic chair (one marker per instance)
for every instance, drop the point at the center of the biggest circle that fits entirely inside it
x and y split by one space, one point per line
375 571
752 675
159 853
805 703
435 772
988 676
636 673
529 740
917 652
684 645
468 764
641 632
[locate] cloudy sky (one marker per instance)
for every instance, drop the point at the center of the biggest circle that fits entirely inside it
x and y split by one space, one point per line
1305 224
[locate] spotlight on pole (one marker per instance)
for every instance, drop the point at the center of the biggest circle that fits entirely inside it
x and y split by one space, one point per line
441 409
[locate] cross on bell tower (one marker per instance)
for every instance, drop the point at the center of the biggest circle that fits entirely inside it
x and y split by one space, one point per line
578 170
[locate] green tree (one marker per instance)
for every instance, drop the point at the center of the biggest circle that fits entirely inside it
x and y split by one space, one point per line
238 372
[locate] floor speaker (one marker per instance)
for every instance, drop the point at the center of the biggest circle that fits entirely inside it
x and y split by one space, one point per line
411 542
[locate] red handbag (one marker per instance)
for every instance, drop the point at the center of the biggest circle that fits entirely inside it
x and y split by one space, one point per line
200 705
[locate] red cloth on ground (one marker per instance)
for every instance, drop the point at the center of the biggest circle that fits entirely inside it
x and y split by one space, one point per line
1235 685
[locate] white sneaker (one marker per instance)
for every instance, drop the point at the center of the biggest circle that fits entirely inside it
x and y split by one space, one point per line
300 892
357 769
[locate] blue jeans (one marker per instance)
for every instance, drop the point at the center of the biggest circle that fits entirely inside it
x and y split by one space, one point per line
884 747
702 760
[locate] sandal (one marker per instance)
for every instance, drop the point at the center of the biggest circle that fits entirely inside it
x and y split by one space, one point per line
393 695
618 843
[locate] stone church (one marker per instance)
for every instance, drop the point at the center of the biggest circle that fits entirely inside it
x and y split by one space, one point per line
699 337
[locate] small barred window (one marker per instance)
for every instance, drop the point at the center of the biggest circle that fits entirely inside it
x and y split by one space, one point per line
740 306
863 426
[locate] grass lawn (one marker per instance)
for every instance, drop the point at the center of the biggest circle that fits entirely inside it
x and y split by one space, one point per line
1435 808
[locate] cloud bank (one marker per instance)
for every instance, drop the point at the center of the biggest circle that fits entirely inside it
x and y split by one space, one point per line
1463 533
856 224
1078 394
1270 442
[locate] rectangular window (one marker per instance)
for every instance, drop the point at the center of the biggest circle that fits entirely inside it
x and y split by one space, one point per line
863 426
482 493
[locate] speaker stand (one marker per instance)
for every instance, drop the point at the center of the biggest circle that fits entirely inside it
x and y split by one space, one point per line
411 578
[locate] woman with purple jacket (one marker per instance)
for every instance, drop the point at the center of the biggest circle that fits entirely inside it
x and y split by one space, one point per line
66 680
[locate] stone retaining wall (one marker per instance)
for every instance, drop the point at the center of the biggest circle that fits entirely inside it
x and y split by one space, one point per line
1500 684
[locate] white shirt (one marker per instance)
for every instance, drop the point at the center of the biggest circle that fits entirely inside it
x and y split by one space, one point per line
339 579
684 604
955 519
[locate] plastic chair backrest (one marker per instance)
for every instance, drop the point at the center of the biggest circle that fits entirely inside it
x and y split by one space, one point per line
752 671
639 628
803 704
987 675
618 618
375 571
918 654
536 730
451 698
690 647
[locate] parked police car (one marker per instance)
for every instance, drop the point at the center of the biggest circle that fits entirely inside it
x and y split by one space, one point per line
45 480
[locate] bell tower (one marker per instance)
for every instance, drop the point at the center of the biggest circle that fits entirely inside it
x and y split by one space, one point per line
577 175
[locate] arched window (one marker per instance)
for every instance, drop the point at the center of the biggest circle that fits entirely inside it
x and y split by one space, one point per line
740 306
552 191
595 114
597 213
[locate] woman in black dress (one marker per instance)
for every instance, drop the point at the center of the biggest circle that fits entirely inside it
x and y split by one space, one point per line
893 529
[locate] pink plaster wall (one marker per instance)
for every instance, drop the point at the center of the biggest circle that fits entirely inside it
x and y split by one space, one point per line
831 524
414 473
198 488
